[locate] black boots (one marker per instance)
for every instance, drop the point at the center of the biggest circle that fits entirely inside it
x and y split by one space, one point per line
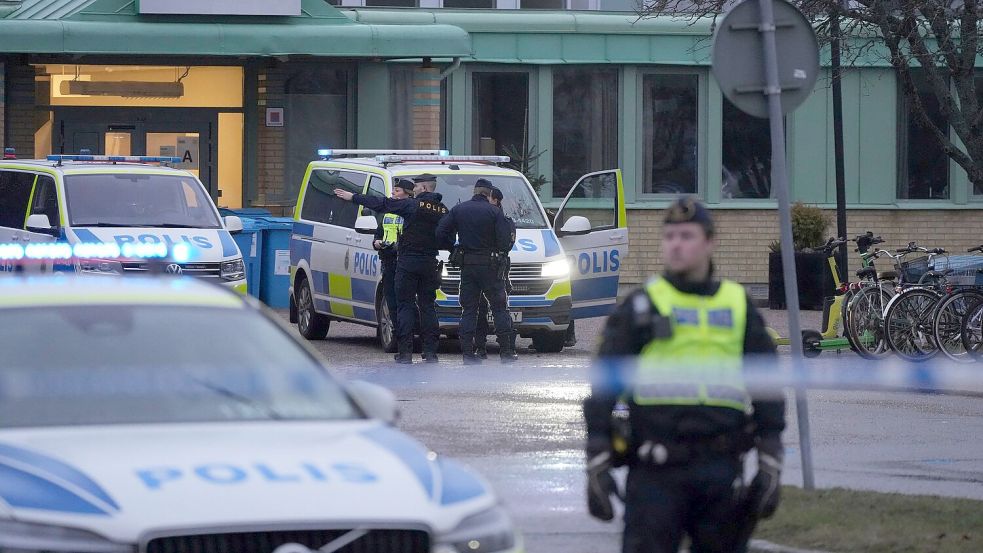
506 344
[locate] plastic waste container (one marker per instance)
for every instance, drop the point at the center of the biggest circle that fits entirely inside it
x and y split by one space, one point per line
274 289
250 242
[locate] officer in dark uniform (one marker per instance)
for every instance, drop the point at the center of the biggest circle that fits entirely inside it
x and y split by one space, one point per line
690 416
483 234
481 334
417 269
386 241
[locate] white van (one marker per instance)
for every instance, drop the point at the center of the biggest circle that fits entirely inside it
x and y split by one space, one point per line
118 200
560 272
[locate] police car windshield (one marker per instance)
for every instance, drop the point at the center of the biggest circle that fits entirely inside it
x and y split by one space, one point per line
138 200
520 204
138 364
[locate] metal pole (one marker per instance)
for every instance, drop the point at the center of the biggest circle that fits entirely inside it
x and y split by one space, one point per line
838 137
779 177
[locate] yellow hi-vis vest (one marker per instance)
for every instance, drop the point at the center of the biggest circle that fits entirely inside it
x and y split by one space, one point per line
701 364
392 227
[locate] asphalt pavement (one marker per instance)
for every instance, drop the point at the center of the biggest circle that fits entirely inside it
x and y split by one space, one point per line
521 426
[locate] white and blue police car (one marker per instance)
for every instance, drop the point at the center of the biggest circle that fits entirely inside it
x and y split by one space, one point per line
118 201
170 415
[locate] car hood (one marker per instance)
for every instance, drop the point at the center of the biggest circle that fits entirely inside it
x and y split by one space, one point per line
532 246
207 244
126 482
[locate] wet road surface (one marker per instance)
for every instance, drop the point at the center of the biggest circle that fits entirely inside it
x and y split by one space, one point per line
521 427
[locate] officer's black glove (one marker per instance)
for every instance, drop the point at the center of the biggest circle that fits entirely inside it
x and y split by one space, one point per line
600 484
763 495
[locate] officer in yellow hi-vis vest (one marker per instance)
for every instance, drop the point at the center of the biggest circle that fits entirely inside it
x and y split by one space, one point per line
386 238
671 356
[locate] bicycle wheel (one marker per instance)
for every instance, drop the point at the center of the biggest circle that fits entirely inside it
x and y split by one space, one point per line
908 324
865 322
972 332
947 323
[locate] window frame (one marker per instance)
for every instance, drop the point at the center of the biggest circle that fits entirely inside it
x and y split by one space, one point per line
702 118
902 158
30 197
56 223
307 191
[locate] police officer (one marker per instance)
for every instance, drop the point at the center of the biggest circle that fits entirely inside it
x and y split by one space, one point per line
690 418
385 242
483 234
481 333
417 272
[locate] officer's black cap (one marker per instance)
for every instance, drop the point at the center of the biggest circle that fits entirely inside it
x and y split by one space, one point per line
426 177
484 183
689 210
405 184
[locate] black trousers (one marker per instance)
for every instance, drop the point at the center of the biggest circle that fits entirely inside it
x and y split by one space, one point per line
389 286
699 499
416 287
479 282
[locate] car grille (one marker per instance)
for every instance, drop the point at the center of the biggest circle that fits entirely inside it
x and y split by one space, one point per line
203 270
375 541
525 278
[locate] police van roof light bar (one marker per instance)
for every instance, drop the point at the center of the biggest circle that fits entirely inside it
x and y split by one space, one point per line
443 159
328 153
114 159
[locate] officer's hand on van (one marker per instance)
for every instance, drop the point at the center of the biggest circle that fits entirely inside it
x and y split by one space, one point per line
600 484
344 194
765 490
377 245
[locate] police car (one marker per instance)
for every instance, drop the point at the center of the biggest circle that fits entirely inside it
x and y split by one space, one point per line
562 270
170 415
118 201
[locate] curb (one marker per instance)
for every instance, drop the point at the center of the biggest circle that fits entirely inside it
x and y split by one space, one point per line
762 546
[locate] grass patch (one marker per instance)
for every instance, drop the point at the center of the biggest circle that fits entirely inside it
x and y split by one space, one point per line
844 521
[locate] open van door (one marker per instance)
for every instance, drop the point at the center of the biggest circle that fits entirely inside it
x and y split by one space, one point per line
592 226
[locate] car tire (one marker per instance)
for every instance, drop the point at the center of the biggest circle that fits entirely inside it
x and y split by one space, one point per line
311 324
549 341
386 331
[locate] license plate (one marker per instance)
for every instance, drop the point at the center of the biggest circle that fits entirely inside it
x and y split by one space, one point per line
515 315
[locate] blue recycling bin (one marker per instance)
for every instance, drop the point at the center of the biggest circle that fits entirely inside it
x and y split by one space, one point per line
250 242
274 289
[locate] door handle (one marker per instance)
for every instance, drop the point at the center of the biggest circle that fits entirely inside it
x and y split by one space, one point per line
15 238
614 237
348 238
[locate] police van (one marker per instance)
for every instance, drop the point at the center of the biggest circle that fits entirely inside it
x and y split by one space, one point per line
562 270
118 201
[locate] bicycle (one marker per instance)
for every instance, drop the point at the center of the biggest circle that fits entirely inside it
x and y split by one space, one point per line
961 296
909 315
865 311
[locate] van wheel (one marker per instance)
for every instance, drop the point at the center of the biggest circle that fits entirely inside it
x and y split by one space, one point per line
386 331
311 324
549 341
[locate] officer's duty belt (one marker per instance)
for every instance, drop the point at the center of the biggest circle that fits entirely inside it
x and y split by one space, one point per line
672 452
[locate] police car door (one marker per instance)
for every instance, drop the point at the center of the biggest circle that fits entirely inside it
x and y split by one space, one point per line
16 193
332 222
593 229
365 270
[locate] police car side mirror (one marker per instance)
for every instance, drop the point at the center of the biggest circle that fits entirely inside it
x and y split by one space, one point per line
575 226
39 223
233 223
376 401
366 224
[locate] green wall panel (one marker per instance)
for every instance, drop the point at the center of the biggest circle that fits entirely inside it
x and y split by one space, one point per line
878 137
373 90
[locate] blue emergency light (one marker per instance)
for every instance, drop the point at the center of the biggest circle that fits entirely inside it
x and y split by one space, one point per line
115 159
9 153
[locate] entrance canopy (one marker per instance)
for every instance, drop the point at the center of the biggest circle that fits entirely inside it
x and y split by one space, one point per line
117 27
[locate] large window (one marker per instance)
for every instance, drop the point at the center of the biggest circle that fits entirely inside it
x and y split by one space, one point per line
15 194
501 114
923 167
670 133
321 204
746 155
585 124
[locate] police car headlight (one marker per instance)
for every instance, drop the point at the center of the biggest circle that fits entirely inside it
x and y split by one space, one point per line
100 266
556 269
490 531
233 270
25 537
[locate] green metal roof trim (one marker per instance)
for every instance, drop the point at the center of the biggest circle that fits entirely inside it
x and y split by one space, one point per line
114 27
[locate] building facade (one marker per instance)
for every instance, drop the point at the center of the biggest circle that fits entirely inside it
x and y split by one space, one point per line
565 88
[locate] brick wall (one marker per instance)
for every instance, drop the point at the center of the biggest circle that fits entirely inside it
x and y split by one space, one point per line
426 109
271 141
743 237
